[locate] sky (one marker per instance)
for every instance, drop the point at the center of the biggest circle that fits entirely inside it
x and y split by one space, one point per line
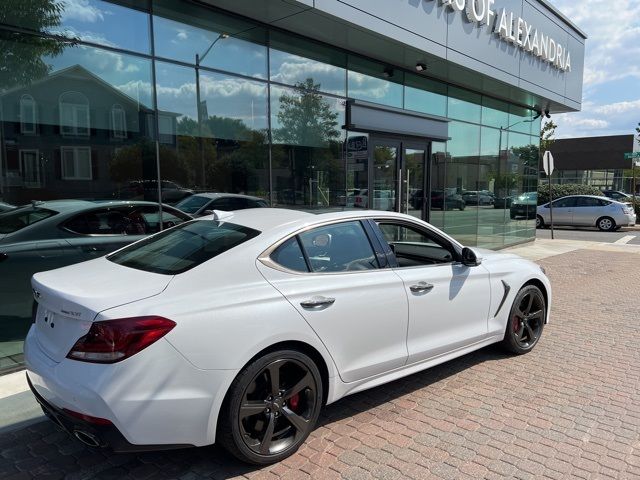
611 94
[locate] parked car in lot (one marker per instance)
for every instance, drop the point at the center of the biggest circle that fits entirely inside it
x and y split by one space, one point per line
442 200
587 211
148 190
203 203
502 203
245 324
618 196
47 235
382 199
524 205
471 197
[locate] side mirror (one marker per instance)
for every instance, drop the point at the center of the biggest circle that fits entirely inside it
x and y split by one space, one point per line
469 258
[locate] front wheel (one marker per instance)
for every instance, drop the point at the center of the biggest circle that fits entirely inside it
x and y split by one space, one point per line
526 321
539 222
271 407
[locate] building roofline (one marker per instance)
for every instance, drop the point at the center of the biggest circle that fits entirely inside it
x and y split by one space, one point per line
564 18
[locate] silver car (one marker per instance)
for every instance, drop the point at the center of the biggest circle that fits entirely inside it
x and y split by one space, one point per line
586 211
204 203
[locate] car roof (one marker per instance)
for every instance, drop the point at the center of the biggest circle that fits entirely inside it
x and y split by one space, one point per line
66 206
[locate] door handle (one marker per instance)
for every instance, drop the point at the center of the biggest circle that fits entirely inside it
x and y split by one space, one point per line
317 302
421 287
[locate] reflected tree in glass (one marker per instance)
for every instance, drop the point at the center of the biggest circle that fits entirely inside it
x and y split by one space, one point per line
21 59
310 146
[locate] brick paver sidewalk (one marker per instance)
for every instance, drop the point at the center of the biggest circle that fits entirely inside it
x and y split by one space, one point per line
570 409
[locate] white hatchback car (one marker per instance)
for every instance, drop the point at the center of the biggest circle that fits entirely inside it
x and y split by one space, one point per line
586 211
235 328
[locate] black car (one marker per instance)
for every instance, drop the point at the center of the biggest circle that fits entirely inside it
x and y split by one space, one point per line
439 199
524 205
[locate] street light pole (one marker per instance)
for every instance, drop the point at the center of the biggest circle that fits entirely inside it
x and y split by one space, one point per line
200 58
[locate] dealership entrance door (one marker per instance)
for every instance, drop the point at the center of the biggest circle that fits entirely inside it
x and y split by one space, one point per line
399 173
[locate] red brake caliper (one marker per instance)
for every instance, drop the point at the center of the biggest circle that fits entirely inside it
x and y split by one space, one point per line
515 322
294 402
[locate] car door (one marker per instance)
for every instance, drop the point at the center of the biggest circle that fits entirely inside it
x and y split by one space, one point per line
562 211
448 301
587 211
332 276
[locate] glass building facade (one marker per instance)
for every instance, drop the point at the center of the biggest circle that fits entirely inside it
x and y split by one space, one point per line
138 100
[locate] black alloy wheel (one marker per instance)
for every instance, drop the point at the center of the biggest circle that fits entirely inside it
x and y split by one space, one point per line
271 408
526 321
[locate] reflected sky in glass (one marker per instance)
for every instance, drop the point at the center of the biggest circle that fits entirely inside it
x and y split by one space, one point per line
291 69
376 90
234 98
104 23
176 90
181 41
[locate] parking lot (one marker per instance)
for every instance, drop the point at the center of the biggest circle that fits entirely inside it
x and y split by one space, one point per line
570 409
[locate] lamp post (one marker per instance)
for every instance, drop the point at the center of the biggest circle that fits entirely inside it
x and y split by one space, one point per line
200 58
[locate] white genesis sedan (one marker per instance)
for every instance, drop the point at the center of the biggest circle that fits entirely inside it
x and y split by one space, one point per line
237 327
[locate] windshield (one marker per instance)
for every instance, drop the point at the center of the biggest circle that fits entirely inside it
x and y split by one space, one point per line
183 247
15 220
192 204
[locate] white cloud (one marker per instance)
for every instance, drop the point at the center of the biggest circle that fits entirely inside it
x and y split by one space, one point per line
81 10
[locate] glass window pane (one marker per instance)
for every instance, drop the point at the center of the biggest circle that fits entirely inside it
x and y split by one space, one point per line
176 91
498 181
294 61
425 95
439 192
343 247
521 117
367 81
495 113
184 30
462 179
94 21
464 105
357 160
308 165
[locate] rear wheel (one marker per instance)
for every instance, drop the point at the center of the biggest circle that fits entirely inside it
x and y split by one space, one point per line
606 224
539 222
526 321
271 407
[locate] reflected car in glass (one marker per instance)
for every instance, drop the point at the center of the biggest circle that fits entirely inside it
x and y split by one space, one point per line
618 196
441 200
148 190
382 199
238 324
524 206
477 198
200 204
6 207
586 211
47 235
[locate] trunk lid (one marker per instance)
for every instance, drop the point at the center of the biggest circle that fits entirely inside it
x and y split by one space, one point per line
69 298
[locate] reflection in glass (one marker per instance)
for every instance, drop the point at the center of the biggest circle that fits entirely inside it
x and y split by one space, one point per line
294 60
439 159
464 105
462 179
385 178
425 95
176 92
357 161
184 30
520 116
498 181
307 153
413 195
372 82
495 113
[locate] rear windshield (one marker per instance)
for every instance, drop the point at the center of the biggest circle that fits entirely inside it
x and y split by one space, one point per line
183 247
23 217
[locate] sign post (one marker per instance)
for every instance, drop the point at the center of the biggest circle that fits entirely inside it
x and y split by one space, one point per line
547 164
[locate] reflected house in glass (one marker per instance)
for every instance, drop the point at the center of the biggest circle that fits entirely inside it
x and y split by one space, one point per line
67 142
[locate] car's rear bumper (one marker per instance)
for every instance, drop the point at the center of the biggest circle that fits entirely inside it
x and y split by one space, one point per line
155 399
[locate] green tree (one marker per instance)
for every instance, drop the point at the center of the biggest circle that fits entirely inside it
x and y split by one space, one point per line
306 118
547 135
21 55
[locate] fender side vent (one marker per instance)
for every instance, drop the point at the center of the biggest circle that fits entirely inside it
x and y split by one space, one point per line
507 289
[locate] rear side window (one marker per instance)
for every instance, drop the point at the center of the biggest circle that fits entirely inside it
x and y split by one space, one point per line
290 256
184 247
11 222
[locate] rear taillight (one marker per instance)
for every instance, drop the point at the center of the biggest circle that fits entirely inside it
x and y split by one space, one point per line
111 341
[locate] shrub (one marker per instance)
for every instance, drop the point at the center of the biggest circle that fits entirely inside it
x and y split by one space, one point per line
564 190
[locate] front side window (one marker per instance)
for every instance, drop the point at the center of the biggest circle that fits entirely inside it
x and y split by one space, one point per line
343 247
413 247
76 163
182 248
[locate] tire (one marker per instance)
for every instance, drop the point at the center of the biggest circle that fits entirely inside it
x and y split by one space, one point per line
539 222
606 224
526 321
512 215
461 206
288 417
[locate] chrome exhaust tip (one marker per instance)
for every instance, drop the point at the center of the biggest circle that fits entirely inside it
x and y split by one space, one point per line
87 438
